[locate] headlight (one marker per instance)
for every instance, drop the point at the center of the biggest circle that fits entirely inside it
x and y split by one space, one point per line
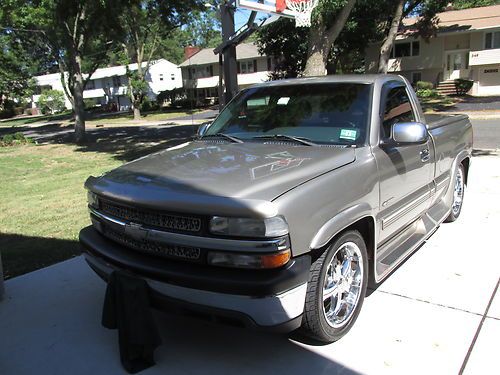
92 199
230 226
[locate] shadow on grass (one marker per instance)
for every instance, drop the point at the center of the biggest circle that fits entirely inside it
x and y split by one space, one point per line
15 122
129 143
22 254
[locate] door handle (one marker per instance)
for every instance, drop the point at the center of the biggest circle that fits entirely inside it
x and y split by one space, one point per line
425 155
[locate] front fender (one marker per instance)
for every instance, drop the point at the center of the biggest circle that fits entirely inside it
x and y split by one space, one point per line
339 222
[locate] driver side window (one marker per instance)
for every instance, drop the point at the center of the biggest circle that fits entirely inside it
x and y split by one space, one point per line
397 109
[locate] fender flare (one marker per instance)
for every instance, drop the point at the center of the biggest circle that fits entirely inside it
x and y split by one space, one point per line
339 222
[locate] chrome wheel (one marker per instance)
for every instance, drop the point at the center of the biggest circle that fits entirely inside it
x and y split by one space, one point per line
343 284
458 192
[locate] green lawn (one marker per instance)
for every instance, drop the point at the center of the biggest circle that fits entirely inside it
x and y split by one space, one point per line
43 203
96 119
26 120
438 104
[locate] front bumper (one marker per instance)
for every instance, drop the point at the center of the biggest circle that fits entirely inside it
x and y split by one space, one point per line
269 299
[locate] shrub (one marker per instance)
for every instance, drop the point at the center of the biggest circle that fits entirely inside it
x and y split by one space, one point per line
183 103
7 110
462 86
15 139
424 85
427 93
89 103
147 105
51 101
171 95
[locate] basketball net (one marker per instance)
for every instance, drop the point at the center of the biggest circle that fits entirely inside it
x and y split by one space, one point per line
302 8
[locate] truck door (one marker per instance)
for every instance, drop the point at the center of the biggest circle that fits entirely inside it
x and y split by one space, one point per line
405 172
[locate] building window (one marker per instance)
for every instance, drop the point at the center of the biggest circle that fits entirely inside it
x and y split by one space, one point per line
90 85
116 81
492 40
247 67
406 49
161 77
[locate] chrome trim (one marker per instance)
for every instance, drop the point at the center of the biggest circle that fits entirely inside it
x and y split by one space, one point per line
265 311
263 246
391 219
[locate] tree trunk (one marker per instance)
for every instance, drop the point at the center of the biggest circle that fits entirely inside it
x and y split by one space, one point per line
385 49
78 104
137 113
321 41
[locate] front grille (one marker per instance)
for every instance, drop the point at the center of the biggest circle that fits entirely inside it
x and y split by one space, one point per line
155 248
167 221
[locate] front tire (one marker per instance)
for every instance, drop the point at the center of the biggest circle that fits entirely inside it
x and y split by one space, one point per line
458 195
336 289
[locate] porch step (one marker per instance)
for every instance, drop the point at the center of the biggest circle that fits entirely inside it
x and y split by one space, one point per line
446 87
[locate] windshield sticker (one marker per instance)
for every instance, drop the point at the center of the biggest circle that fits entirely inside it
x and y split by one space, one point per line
283 100
348 134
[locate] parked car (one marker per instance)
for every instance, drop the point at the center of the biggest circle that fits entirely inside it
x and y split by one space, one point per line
278 216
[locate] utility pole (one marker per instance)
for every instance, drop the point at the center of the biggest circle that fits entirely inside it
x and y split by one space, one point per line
227 9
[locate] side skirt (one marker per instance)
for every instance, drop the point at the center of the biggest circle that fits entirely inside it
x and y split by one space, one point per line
394 251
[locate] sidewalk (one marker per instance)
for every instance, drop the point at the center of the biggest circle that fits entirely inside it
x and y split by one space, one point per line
422 320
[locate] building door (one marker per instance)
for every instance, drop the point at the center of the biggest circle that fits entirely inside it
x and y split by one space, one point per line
456 65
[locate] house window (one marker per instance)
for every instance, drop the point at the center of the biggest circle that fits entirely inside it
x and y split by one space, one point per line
246 67
116 81
492 40
406 49
161 77
90 85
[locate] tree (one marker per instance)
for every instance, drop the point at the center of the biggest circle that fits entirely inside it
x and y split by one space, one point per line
328 21
17 65
426 27
145 23
75 34
51 101
289 45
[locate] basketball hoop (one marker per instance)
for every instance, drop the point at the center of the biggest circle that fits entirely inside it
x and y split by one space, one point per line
303 10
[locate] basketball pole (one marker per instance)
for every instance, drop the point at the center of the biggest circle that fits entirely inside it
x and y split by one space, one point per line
227 9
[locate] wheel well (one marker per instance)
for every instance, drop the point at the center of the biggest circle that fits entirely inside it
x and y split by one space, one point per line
365 226
466 163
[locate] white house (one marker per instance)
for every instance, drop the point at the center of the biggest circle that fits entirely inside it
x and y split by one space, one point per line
200 70
109 85
467 45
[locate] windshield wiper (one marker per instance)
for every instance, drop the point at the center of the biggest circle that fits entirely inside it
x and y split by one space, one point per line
223 135
301 140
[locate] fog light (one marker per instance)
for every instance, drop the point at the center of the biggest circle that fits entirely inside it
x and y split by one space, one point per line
256 261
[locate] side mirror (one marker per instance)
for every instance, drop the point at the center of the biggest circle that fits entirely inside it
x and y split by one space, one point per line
202 129
409 133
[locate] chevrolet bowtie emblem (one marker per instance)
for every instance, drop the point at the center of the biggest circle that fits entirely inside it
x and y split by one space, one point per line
136 231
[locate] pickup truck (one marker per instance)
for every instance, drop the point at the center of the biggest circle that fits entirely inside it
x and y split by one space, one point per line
282 211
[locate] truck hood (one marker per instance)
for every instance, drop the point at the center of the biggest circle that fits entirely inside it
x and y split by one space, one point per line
240 171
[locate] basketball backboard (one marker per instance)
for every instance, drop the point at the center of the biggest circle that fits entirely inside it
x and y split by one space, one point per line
275 7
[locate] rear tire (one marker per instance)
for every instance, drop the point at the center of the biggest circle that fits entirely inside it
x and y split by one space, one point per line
458 194
336 289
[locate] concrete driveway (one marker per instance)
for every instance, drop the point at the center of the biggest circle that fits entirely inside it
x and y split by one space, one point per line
430 317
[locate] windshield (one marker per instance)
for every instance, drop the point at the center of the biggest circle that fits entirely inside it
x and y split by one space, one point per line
325 113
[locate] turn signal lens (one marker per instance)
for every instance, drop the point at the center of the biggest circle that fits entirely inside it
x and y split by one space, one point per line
255 261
